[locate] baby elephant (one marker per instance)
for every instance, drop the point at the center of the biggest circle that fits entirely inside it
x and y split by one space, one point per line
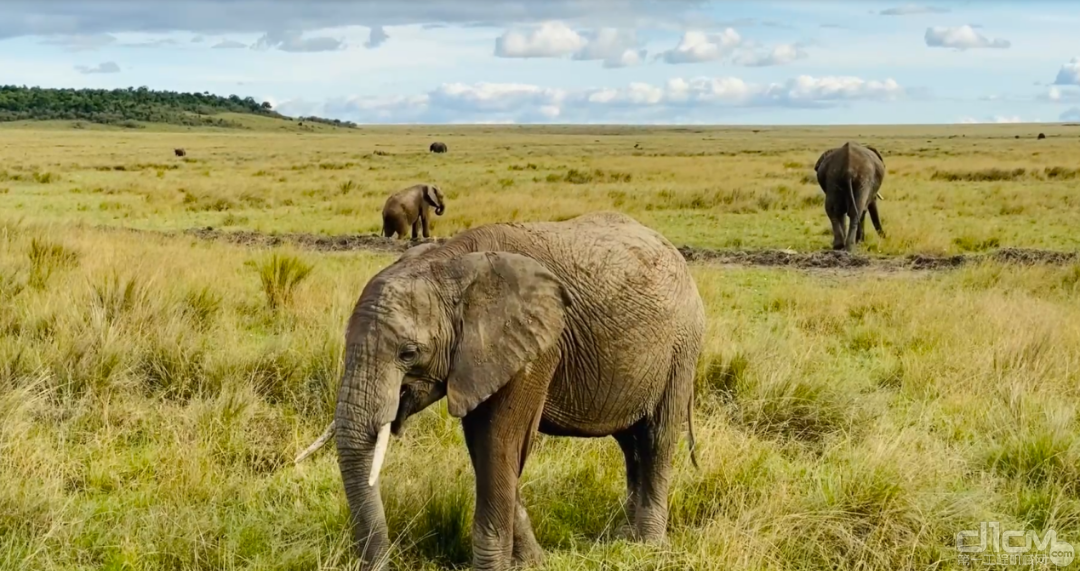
411 207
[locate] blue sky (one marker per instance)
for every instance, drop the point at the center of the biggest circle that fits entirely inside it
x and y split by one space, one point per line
570 61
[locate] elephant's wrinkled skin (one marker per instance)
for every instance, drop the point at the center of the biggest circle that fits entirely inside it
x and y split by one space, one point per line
851 176
411 208
588 327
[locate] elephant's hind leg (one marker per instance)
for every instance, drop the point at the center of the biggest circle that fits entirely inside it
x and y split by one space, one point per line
628 442
657 439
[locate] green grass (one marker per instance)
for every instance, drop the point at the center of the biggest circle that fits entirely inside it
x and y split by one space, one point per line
154 389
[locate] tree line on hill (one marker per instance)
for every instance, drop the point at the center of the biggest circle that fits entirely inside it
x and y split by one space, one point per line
128 107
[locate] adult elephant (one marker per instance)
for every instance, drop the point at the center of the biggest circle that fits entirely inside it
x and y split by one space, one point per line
411 208
587 327
851 177
437 147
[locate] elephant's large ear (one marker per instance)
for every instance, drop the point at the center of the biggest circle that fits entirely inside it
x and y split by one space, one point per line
511 311
821 159
429 195
873 150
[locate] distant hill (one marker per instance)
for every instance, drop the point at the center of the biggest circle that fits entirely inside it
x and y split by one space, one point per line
133 106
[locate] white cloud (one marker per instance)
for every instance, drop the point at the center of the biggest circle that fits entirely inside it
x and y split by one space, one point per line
550 39
996 119
807 91
961 38
1069 74
697 46
105 67
781 54
1058 95
616 48
291 41
518 102
228 45
909 9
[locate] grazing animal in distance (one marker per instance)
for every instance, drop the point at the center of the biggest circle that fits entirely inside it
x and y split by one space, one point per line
411 208
437 147
180 152
509 323
850 176
1041 136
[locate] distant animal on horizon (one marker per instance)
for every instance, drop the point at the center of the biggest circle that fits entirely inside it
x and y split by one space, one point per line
437 147
180 152
412 207
850 176
1041 136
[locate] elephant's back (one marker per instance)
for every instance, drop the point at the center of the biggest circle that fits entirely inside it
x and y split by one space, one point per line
600 256
635 314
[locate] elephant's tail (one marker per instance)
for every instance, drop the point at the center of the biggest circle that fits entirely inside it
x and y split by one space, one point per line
853 207
690 429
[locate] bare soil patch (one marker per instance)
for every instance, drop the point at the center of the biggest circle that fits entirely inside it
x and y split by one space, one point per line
818 260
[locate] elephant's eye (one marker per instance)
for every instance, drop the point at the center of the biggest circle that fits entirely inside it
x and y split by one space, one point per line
408 354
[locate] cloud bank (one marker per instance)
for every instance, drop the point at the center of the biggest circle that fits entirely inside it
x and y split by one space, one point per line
518 102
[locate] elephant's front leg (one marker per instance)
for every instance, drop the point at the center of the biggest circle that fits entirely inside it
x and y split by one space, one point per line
498 434
415 228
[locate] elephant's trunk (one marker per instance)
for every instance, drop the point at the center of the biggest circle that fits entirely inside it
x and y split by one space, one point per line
366 403
360 457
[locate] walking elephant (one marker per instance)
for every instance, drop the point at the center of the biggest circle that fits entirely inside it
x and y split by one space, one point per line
588 327
437 147
411 208
851 177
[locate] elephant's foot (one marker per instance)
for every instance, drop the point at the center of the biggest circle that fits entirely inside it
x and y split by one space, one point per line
526 556
625 531
527 551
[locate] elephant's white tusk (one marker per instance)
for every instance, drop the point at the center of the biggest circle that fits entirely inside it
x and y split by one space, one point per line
380 453
326 436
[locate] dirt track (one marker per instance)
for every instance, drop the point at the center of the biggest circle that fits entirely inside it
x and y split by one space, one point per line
823 259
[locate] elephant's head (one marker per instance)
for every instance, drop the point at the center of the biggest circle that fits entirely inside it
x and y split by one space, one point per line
434 196
425 327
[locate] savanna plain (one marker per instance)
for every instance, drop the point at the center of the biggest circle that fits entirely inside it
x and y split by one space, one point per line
158 378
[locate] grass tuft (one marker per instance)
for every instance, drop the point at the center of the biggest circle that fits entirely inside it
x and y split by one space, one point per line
280 276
